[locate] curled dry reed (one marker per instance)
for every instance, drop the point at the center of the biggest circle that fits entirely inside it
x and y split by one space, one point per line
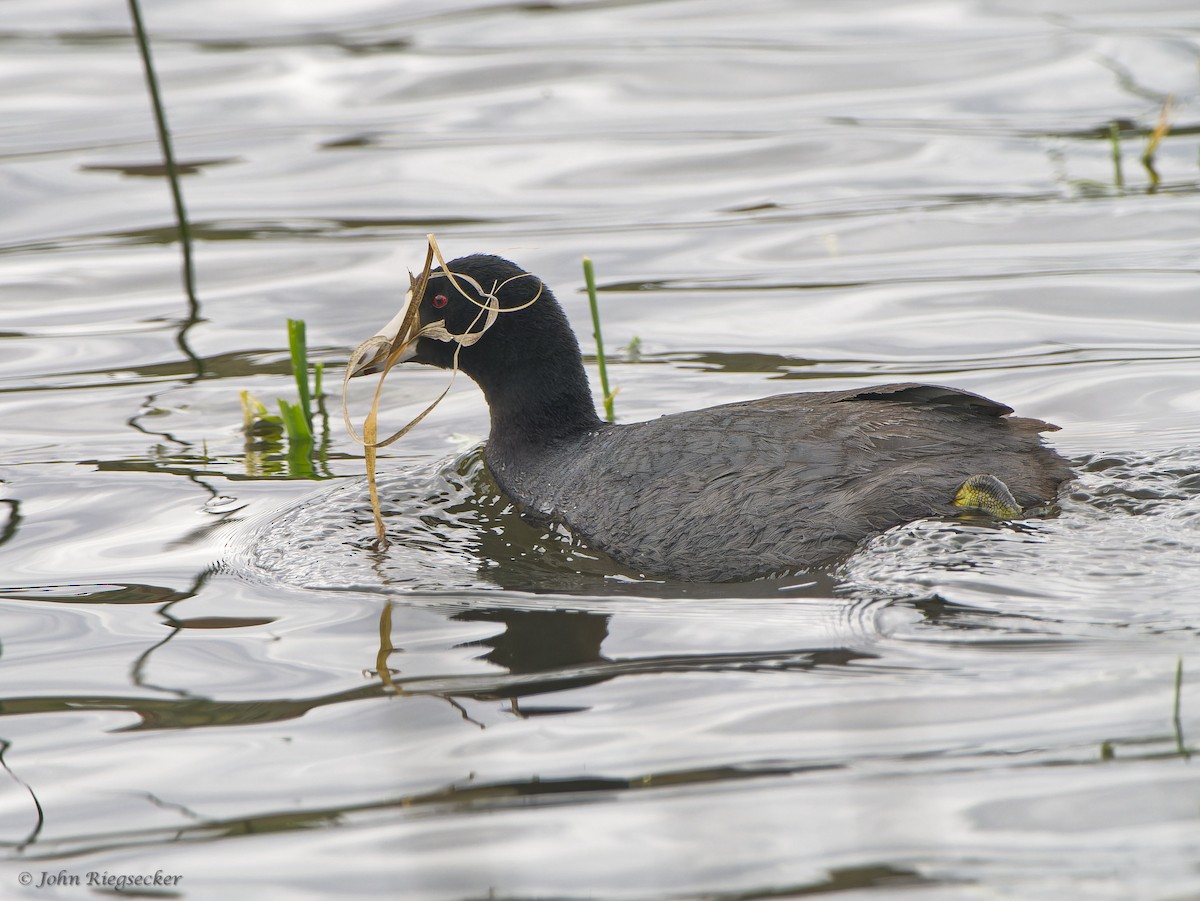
409 331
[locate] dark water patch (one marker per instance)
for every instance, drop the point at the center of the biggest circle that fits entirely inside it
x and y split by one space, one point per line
785 367
520 683
722 285
352 45
229 230
219 622
472 795
159 170
183 713
95 594
870 877
246 363
255 465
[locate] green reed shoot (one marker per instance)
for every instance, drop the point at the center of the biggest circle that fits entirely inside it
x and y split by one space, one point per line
299 430
295 419
589 277
298 348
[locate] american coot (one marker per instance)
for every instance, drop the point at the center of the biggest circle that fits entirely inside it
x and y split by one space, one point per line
731 492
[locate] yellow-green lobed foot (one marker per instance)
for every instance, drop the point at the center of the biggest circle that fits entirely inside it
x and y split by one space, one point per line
987 493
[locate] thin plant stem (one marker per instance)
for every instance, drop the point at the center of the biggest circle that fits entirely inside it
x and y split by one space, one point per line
589 277
1114 137
164 141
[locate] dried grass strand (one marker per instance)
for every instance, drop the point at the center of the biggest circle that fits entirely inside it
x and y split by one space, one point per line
489 312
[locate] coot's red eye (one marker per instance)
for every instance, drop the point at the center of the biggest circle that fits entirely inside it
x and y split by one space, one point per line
440 301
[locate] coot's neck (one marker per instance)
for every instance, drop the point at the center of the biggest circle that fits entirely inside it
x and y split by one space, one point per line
536 387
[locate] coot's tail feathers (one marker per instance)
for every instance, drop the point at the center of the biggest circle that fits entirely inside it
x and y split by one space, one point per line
1037 425
1035 471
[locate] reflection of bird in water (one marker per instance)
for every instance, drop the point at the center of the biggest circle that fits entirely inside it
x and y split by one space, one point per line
550 642
555 650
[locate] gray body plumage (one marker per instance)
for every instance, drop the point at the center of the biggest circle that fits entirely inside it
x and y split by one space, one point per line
779 484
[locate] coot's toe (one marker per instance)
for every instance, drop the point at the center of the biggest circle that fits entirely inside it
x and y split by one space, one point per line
986 493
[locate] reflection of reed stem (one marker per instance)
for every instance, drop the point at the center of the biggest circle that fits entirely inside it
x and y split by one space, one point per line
1155 138
385 646
1114 136
40 814
164 141
1179 744
14 519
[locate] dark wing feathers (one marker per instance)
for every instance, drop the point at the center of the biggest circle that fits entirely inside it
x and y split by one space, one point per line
790 481
927 395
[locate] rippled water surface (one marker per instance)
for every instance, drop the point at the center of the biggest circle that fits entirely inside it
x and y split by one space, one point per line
205 669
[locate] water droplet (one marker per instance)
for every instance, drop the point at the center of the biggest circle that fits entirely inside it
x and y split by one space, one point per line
223 504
